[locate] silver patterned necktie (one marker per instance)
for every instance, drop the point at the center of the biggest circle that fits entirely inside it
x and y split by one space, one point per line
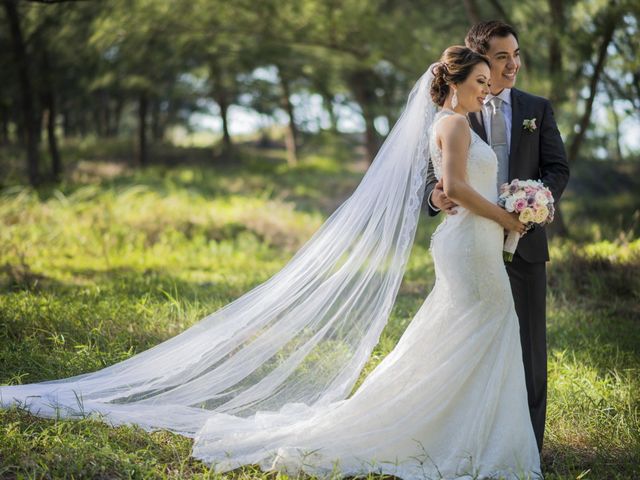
499 140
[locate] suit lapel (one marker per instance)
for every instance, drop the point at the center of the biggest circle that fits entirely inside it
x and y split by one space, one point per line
477 123
517 116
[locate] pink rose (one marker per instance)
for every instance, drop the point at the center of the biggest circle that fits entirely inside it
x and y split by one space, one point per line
520 204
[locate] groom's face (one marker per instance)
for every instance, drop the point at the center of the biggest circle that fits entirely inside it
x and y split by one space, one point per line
504 55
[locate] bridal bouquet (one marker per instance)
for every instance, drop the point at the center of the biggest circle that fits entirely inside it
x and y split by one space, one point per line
532 200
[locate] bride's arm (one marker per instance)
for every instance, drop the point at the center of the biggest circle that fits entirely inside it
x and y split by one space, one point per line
454 135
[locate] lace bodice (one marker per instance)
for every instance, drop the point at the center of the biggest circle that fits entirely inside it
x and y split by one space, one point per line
482 163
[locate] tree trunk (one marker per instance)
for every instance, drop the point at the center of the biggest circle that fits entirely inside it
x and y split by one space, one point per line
117 115
471 8
26 91
20 130
327 99
221 96
98 115
607 36
221 99
143 103
371 137
81 126
291 132
39 122
363 90
157 131
66 123
107 114
636 84
616 121
556 8
49 103
501 11
4 125
56 162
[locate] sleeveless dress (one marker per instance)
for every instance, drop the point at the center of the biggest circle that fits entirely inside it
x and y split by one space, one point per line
449 401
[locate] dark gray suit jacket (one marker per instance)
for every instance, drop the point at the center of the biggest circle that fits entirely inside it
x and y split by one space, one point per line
534 155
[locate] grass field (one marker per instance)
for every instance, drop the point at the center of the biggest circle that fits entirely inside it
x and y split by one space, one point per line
115 260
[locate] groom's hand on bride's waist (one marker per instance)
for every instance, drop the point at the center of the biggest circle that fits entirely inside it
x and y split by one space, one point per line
440 201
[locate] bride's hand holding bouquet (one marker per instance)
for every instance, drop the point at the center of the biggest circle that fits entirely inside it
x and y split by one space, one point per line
531 201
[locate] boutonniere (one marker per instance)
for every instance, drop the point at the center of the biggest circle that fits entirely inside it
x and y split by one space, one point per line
529 124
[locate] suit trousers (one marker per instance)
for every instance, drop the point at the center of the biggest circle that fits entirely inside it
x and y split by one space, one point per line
529 288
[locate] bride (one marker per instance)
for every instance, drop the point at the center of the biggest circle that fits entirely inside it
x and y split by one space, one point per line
266 379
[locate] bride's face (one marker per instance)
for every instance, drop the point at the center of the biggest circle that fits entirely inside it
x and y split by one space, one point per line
472 92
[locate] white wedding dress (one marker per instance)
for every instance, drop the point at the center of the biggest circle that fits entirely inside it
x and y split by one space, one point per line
448 402
265 379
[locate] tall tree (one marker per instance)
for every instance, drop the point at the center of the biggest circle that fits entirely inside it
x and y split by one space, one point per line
140 41
29 120
608 23
49 103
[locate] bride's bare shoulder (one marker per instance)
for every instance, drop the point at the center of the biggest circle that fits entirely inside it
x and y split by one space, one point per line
453 128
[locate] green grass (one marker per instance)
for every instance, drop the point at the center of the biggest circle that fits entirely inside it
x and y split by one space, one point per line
115 260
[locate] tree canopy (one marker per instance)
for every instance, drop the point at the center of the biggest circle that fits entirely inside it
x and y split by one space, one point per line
136 68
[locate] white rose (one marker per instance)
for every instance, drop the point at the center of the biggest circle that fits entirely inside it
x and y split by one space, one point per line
519 194
541 198
509 204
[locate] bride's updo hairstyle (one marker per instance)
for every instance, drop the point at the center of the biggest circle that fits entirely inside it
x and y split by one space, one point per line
454 66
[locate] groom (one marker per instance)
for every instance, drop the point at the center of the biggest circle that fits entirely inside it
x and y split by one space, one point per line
525 151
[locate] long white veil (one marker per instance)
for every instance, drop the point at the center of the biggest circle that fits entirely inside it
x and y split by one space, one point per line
301 337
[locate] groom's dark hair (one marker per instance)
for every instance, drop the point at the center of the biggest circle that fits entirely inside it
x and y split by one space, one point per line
479 35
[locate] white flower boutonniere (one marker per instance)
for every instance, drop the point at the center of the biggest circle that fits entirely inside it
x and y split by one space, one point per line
529 124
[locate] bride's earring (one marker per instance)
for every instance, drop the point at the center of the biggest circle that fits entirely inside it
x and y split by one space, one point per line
454 99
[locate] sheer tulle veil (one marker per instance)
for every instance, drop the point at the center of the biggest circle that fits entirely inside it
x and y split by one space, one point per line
295 343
